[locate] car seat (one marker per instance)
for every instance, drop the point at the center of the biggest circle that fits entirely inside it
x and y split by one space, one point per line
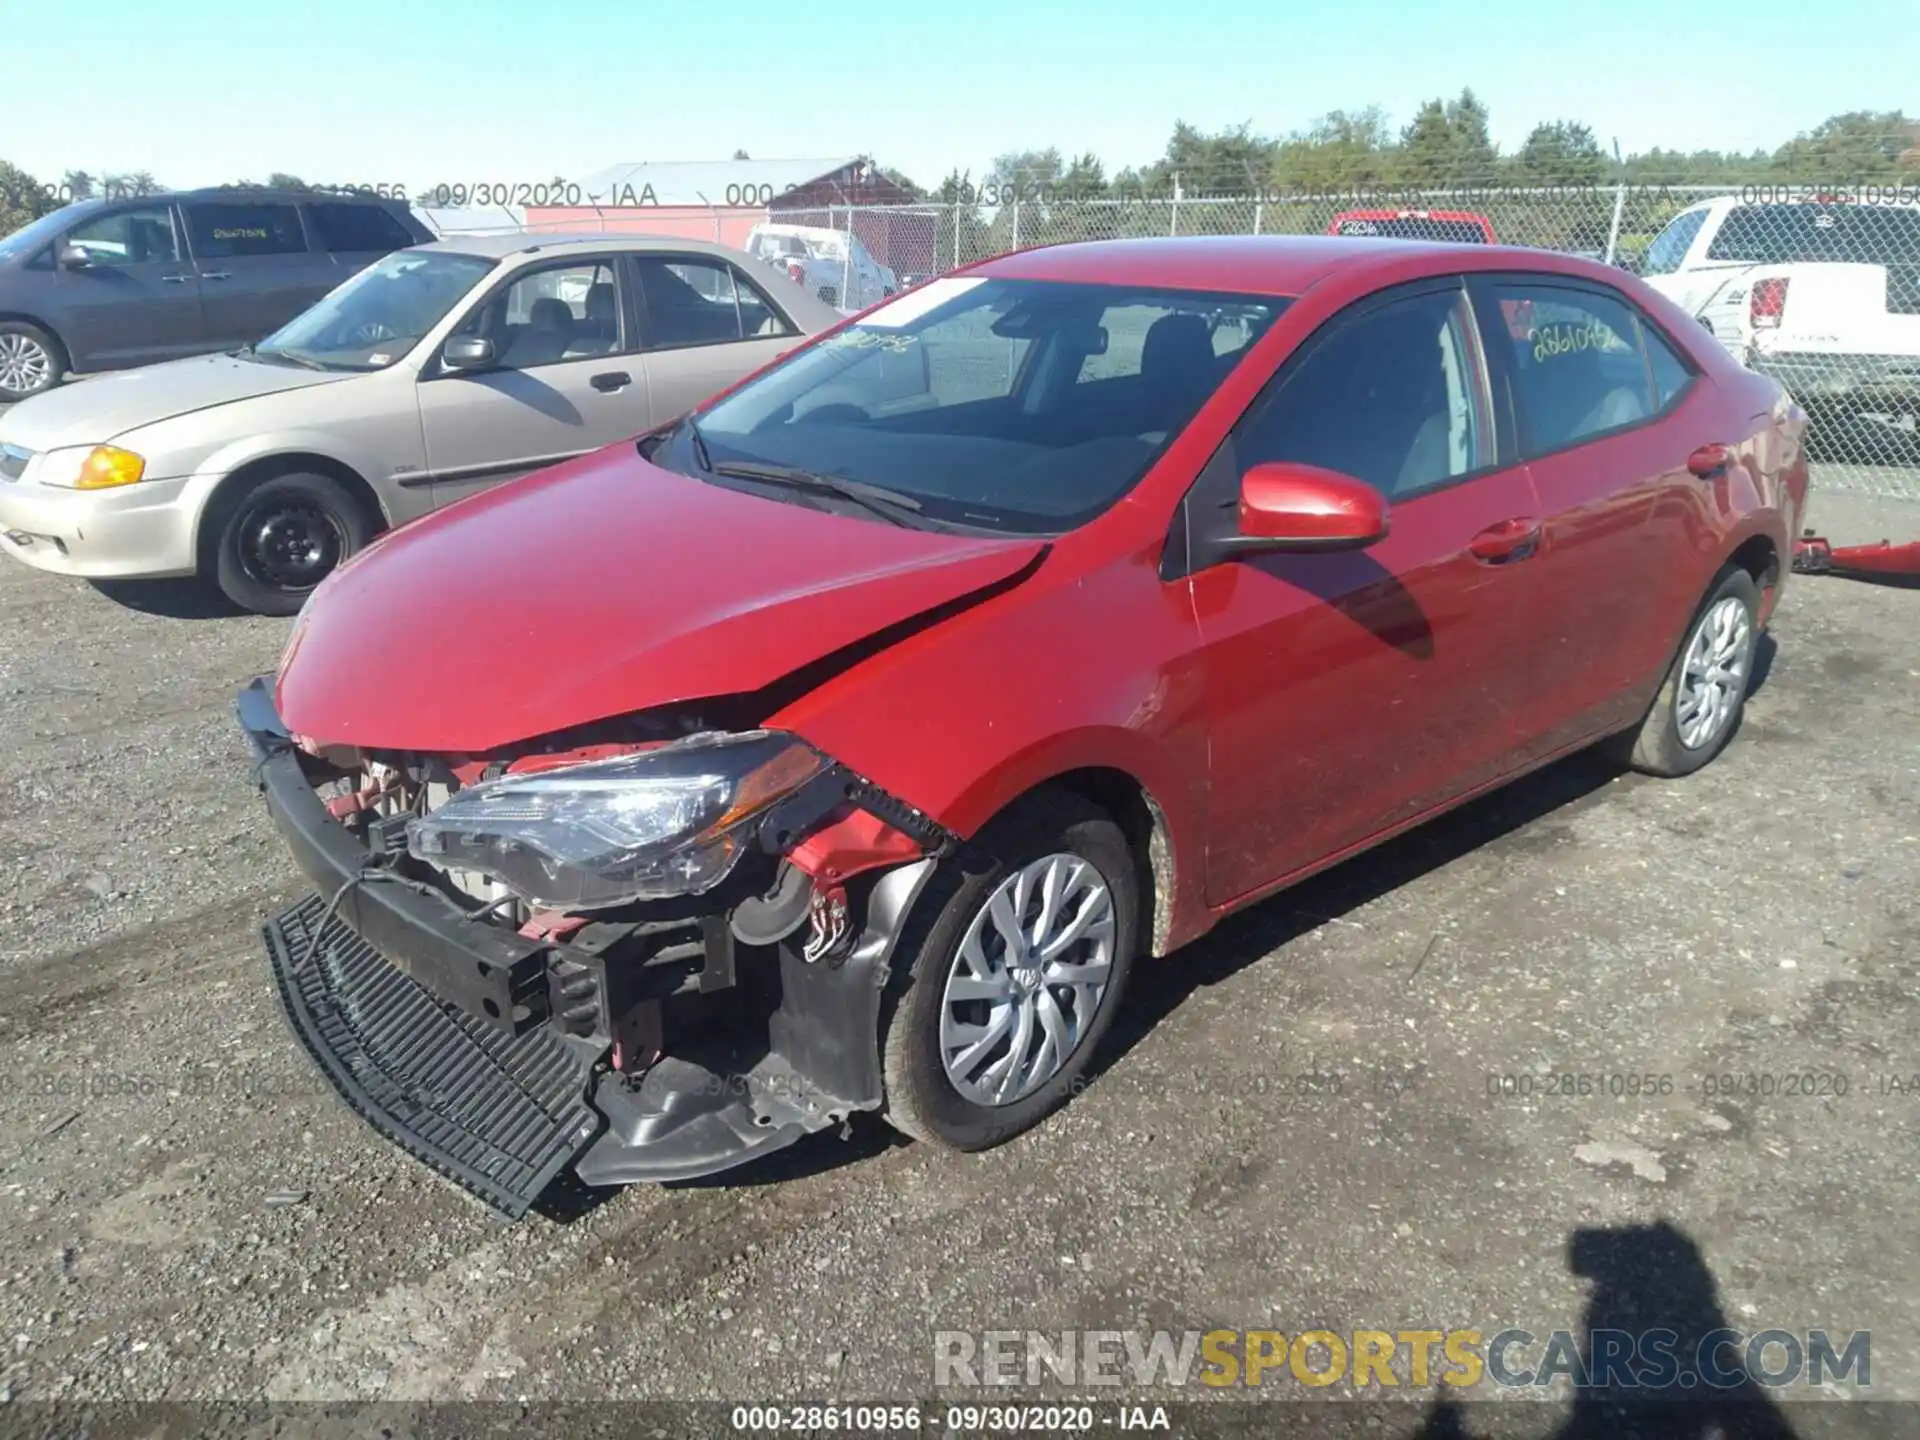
548 333
1176 370
599 333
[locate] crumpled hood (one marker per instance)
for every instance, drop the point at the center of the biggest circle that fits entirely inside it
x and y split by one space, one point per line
598 588
94 411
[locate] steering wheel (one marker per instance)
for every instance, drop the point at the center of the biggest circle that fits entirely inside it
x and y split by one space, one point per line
369 332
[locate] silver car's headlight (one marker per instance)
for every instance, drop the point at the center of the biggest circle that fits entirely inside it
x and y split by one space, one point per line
663 822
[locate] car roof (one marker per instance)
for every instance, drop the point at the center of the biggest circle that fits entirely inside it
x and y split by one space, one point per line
523 242
1279 265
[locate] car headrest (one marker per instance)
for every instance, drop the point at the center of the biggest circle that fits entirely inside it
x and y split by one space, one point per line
1177 345
601 302
548 313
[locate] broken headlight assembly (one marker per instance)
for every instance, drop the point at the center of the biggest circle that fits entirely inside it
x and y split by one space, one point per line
659 823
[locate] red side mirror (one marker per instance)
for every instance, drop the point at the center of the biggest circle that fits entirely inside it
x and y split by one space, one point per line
1284 506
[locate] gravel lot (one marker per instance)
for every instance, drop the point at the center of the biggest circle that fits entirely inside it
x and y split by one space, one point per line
187 1214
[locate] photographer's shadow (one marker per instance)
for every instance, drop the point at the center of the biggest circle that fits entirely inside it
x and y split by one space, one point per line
1645 1278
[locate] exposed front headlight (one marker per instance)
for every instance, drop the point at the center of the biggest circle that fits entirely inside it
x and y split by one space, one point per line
90 467
663 822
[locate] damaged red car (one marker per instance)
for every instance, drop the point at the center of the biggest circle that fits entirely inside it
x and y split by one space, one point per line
844 745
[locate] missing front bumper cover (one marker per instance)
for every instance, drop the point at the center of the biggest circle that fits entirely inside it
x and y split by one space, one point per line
389 1000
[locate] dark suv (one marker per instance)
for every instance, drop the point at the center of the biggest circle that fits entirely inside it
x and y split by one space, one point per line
105 284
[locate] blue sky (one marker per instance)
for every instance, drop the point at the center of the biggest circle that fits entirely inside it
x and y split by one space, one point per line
379 91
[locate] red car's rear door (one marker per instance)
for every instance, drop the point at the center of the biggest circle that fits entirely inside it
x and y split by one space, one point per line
1601 402
1349 692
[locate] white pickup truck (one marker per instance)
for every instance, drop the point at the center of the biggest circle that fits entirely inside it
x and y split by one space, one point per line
1822 296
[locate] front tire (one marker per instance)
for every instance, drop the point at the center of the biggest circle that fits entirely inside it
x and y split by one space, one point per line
274 541
1705 691
1015 975
32 362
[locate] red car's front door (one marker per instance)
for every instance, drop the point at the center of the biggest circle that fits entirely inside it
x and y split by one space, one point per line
1350 692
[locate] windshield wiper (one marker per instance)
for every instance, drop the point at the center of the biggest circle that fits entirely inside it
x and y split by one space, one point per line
877 498
292 358
699 445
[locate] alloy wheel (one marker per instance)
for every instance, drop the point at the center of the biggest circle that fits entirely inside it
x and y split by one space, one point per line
1027 980
25 365
1714 676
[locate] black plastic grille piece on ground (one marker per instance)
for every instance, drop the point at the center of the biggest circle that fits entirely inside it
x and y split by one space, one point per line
500 1115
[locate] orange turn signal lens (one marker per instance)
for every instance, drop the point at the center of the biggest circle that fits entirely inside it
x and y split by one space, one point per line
107 466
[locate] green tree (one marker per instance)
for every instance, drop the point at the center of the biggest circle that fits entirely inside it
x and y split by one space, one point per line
1340 151
1561 152
280 180
23 199
78 184
1859 145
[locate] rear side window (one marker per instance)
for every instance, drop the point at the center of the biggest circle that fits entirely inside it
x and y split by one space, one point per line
1579 369
1394 396
221 231
1670 374
1796 234
702 302
347 227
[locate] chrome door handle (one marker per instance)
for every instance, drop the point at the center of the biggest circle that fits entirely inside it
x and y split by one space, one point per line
218 275
175 279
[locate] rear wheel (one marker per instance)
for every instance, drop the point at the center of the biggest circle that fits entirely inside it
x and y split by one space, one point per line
31 361
1702 698
275 540
1014 976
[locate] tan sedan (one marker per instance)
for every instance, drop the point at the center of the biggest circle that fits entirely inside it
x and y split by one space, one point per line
437 372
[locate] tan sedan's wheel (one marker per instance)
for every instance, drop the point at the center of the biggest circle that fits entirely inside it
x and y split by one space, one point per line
1018 963
273 542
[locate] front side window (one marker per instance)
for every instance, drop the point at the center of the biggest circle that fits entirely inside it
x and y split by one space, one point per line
129 237
702 302
554 313
1395 395
36 233
221 230
1012 405
373 319
1580 370
1670 246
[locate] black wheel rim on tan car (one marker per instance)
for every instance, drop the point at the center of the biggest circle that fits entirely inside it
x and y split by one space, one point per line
289 542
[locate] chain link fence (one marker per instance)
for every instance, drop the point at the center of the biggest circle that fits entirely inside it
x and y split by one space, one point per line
1816 285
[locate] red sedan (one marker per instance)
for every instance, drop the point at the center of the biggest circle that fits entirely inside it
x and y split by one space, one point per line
844 745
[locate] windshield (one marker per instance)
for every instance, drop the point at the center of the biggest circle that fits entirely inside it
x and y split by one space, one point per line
1416 227
1013 405
35 233
380 314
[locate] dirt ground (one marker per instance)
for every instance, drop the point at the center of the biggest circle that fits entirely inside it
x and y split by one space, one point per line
187 1213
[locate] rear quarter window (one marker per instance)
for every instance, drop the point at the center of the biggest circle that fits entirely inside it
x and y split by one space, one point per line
342 227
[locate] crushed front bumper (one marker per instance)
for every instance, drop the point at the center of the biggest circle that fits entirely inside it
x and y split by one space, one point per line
442 1030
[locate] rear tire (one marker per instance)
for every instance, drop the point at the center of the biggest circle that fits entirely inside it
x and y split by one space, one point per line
272 542
1064 863
1704 693
32 362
